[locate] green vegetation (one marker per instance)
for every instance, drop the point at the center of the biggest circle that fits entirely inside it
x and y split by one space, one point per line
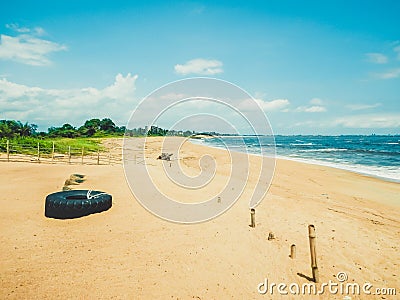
91 128
24 138
28 145
157 131
12 129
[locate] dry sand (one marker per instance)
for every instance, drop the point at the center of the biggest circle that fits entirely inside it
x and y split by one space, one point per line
128 253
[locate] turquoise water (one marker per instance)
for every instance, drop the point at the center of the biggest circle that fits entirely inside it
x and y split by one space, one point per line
373 155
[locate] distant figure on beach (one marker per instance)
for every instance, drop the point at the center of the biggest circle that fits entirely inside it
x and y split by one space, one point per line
165 156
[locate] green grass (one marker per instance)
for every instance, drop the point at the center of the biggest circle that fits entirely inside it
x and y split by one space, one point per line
29 145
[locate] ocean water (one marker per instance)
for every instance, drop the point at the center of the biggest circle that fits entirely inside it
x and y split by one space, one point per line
373 155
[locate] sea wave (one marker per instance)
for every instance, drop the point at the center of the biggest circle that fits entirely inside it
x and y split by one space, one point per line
376 156
302 144
324 150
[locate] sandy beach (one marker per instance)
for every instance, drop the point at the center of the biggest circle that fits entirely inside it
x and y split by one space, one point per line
128 253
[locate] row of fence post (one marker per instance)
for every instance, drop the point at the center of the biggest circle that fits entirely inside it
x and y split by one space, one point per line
311 237
53 153
8 150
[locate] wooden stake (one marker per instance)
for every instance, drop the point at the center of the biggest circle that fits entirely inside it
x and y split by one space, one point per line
38 152
52 153
293 251
109 157
314 267
69 154
98 157
253 218
8 150
82 156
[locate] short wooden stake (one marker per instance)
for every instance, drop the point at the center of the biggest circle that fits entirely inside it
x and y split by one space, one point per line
293 251
38 152
314 267
52 153
82 155
98 157
8 150
69 154
253 218
109 157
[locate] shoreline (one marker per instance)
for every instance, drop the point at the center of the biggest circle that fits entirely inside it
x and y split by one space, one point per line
339 166
336 165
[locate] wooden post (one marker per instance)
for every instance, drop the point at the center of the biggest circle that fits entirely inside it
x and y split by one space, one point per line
52 153
98 157
82 155
293 251
109 157
8 150
314 268
253 217
38 152
69 154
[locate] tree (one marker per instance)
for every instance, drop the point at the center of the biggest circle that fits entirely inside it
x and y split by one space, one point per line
107 125
5 130
27 129
12 128
90 127
67 130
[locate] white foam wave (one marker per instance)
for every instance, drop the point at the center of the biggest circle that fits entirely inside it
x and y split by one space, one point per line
301 144
324 150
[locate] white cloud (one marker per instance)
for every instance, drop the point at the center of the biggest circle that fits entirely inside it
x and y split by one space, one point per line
377 58
311 109
256 104
316 101
39 31
362 106
47 107
273 105
16 28
27 47
369 121
200 66
394 73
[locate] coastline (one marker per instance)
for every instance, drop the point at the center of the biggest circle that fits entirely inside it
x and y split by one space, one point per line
369 171
348 168
142 256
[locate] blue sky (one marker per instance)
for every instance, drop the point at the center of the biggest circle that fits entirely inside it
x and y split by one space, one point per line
315 67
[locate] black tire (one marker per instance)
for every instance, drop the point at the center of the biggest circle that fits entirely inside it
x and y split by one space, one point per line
74 204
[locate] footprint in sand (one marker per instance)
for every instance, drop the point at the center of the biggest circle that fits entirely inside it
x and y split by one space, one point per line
74 179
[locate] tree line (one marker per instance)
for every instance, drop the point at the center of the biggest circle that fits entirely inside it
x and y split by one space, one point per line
11 129
91 128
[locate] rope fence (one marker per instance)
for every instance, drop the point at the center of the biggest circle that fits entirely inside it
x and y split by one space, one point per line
12 152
